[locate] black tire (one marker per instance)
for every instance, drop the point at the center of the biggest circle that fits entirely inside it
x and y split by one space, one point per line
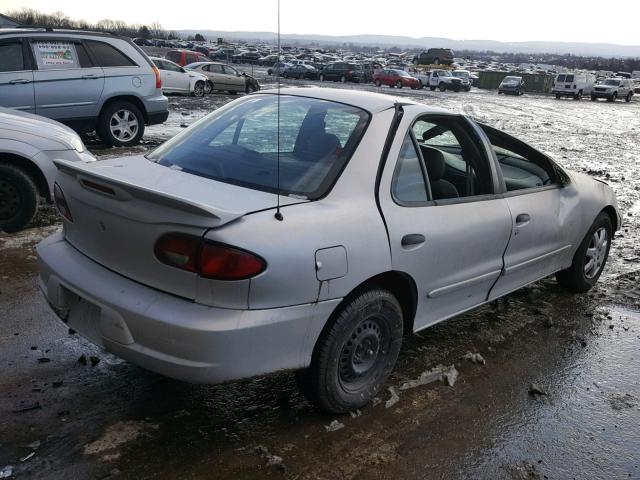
346 372
208 87
442 86
433 89
558 96
398 84
321 78
421 85
575 278
378 83
628 97
578 96
107 116
198 89
613 97
343 79
593 99
19 198
232 92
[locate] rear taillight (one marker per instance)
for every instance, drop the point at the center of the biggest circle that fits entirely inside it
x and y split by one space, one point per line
207 259
61 202
158 77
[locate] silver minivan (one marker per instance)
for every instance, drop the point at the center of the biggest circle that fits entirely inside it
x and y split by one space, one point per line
87 80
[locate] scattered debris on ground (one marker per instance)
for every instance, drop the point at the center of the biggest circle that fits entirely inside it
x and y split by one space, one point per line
119 434
393 399
535 389
622 401
475 358
333 426
450 375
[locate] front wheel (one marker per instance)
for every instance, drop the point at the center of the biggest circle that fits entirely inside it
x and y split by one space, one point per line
18 198
628 97
558 96
378 83
443 87
590 258
398 84
121 124
208 87
356 352
433 89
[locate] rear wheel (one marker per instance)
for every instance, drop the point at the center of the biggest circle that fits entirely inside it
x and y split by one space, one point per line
433 89
208 87
558 96
590 258
399 84
628 97
442 86
578 96
356 353
18 198
593 99
121 124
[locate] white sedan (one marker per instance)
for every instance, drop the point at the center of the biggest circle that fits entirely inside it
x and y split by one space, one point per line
176 79
311 240
28 145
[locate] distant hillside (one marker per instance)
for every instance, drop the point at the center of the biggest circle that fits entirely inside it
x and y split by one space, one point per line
586 49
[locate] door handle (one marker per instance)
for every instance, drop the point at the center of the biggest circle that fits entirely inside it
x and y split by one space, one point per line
522 219
19 81
412 239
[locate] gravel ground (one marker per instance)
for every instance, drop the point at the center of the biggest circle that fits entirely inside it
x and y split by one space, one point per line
103 418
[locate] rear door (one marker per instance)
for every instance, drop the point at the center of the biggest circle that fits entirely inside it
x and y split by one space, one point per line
16 76
447 227
216 73
68 85
177 78
543 214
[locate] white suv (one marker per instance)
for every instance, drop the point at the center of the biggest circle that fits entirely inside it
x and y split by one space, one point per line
613 89
28 146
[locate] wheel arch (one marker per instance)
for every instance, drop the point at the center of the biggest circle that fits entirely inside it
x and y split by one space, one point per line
31 168
400 284
613 216
126 98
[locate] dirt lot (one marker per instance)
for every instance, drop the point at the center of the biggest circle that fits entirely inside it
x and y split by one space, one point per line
61 418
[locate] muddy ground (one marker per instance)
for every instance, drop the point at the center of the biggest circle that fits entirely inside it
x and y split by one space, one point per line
61 418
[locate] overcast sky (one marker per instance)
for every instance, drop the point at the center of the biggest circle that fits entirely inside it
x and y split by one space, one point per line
504 20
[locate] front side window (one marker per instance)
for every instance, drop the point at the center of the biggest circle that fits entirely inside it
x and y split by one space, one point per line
11 59
522 166
240 144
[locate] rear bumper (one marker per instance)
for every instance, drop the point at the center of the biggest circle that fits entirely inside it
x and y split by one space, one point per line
170 335
157 109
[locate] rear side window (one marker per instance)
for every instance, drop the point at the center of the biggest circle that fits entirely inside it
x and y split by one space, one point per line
11 59
58 54
191 58
173 56
408 184
108 56
240 143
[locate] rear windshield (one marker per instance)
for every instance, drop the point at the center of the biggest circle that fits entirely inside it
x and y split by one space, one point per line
239 144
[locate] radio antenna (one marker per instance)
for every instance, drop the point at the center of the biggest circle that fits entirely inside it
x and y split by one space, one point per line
278 214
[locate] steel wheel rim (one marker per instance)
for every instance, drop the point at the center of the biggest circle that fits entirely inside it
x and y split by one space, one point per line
124 125
9 200
367 344
596 253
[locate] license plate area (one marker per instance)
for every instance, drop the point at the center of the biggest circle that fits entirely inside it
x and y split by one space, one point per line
84 316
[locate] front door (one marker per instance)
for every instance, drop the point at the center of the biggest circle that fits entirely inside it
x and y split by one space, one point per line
67 84
447 228
16 76
233 78
543 214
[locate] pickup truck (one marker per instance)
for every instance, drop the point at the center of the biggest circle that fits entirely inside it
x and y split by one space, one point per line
442 79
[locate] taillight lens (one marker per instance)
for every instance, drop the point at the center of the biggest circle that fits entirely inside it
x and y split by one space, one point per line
158 77
209 260
61 202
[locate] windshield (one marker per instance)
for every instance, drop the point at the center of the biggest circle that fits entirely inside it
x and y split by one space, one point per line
402 73
615 83
461 74
512 79
560 78
239 144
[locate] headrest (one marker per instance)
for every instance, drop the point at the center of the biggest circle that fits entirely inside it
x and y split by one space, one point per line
434 160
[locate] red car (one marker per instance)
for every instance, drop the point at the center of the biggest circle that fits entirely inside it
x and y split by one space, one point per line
185 57
396 78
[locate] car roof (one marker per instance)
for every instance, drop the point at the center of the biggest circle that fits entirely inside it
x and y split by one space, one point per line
60 31
370 101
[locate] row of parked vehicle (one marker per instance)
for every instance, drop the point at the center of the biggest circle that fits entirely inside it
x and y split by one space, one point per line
579 84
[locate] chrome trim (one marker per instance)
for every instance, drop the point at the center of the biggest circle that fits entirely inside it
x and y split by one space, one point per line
463 284
531 261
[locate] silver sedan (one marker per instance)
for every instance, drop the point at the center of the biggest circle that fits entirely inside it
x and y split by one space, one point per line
309 231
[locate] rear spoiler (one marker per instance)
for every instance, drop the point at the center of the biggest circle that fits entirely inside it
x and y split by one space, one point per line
124 191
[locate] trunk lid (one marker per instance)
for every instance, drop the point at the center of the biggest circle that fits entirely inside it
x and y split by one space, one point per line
121 206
